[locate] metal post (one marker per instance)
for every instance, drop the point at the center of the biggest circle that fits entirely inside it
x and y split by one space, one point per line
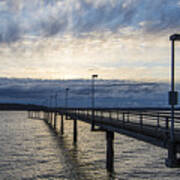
117 115
93 98
92 88
172 90
158 125
55 116
172 160
123 117
75 132
141 121
110 151
92 126
167 127
51 118
62 124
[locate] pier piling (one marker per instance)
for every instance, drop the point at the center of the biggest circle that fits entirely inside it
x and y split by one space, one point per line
55 119
62 124
110 151
75 131
50 118
172 160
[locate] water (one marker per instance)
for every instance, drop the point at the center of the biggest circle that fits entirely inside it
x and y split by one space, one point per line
30 150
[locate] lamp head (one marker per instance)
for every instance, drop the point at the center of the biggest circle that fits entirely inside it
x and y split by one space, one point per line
175 37
94 76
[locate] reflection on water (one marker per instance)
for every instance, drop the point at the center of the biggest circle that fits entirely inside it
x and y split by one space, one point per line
30 150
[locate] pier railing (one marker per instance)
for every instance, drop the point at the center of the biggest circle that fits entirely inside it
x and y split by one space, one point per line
159 118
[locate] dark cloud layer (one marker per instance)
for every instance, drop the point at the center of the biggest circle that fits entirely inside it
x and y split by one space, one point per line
56 17
109 93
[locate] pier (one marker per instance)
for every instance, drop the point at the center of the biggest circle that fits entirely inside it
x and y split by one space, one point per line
151 125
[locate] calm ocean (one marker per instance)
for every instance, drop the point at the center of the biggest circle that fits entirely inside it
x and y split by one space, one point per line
29 150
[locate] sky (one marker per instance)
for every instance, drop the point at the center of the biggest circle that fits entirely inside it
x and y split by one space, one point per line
72 39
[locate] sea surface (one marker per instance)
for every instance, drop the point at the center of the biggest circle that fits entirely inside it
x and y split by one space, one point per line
30 150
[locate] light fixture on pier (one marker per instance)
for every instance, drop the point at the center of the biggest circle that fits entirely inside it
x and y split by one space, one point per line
93 98
93 89
173 95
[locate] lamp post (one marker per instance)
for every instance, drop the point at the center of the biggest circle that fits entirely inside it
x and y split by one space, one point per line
173 95
93 90
93 98
172 160
66 97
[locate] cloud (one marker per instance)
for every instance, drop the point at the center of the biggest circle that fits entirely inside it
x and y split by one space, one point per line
108 93
9 28
162 15
82 17
125 39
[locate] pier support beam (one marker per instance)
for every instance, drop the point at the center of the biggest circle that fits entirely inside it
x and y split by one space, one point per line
75 131
51 121
110 151
49 117
62 124
172 160
55 117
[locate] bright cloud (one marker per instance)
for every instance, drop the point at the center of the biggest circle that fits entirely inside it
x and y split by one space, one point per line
75 38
